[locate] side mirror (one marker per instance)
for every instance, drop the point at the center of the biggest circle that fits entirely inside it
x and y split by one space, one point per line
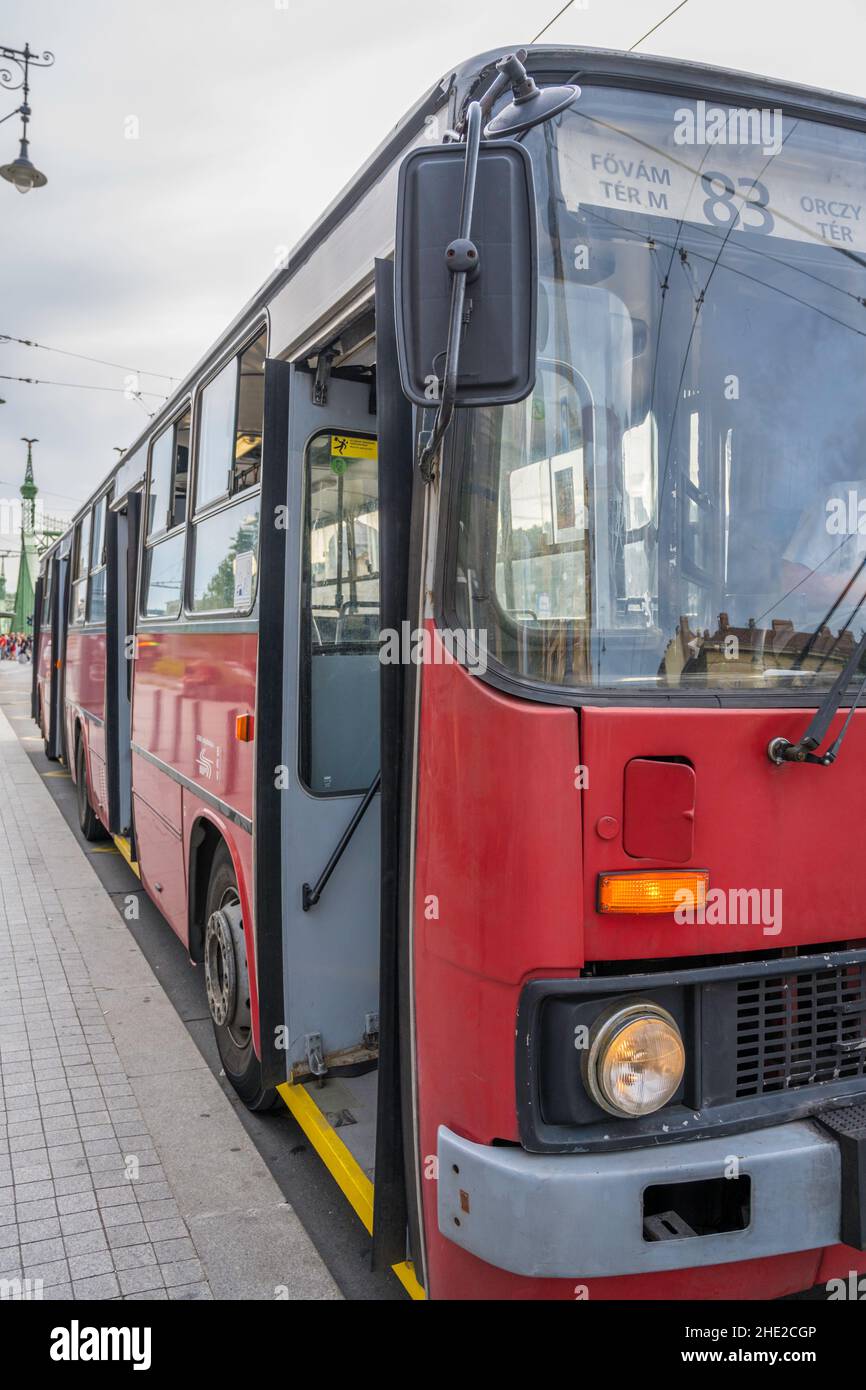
491 242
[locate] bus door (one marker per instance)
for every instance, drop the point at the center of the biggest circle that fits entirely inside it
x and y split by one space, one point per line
56 721
330 726
122 566
38 597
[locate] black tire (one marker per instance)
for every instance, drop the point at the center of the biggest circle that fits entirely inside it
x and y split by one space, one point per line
227 986
89 823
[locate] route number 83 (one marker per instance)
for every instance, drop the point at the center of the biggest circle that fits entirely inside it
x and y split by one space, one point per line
720 209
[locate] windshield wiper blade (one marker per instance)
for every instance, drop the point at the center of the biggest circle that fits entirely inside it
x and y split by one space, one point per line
781 750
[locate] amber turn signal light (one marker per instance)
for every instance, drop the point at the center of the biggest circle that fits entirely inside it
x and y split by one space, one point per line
244 728
653 890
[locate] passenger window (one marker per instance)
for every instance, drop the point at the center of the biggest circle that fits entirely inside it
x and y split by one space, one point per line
230 427
160 482
163 578
225 564
97 548
96 600
169 471
340 618
78 607
82 552
96 593
48 597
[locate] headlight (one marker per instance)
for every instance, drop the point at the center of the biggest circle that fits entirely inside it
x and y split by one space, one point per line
635 1059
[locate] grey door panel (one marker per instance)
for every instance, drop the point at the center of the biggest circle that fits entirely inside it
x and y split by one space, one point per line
331 953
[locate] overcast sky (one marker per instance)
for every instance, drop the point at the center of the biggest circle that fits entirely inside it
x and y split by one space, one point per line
251 115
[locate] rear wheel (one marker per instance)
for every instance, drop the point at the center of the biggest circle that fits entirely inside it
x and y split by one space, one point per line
88 820
228 986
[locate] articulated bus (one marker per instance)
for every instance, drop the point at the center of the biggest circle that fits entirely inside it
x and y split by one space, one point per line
465 714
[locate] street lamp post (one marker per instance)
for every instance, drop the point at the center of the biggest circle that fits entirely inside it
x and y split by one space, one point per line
22 172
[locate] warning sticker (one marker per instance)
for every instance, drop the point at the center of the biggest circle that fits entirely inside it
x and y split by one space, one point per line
350 446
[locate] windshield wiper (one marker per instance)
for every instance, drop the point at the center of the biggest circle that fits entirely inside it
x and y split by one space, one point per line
781 750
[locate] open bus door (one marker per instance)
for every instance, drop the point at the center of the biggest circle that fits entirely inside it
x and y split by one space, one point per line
332 572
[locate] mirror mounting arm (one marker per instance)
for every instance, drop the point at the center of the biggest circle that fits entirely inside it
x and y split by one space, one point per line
461 258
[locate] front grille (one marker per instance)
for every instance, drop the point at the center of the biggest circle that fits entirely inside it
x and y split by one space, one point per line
800 1030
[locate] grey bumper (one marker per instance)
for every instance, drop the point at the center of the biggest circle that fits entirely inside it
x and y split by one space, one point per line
580 1215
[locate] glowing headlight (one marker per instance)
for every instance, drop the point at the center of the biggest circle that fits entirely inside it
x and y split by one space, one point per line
635 1060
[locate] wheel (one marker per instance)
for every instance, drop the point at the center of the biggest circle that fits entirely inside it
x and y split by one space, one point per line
227 984
88 820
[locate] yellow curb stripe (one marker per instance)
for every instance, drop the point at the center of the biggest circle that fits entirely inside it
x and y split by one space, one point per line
344 1169
125 849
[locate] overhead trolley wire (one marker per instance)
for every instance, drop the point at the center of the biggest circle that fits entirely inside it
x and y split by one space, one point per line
658 26
82 386
82 357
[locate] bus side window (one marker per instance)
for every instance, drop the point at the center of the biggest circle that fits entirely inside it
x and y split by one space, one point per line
169 466
339 706
78 609
231 414
48 596
96 600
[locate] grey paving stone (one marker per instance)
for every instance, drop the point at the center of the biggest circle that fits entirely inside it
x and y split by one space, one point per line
116 1196
34 1191
193 1293
166 1230
42 1229
182 1272
76 1201
169 1251
57 1292
141 1280
80 1182
40 1250
125 1215
68 1167
79 1221
85 1242
82 1266
49 1271
134 1257
158 1210
127 1235
35 1211
156 1296
100 1286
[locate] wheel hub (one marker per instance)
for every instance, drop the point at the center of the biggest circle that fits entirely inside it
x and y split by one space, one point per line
225 969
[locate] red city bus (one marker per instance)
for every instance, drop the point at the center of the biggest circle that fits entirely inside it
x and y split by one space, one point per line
479 760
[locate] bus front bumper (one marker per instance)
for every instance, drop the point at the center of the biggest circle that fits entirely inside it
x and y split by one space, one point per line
581 1215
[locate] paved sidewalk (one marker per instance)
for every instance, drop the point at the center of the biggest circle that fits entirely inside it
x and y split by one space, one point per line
124 1171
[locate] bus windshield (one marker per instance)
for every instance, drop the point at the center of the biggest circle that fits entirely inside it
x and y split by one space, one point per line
682 500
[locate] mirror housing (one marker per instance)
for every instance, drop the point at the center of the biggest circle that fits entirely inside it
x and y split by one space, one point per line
498 338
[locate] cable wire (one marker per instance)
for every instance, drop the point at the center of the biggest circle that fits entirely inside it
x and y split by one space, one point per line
82 357
659 25
82 386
